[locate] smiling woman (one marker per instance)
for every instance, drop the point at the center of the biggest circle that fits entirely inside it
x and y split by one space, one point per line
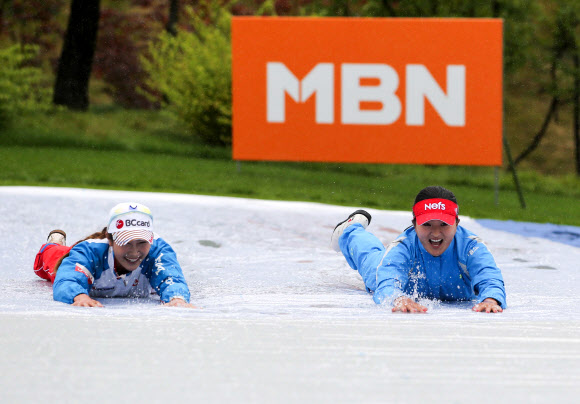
125 259
435 258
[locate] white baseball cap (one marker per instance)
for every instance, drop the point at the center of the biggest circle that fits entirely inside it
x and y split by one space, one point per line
130 221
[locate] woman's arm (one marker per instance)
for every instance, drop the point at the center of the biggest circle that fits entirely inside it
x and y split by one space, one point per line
392 272
165 274
486 277
77 272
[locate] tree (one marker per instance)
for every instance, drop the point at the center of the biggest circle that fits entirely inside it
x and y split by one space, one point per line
564 77
76 60
171 26
191 72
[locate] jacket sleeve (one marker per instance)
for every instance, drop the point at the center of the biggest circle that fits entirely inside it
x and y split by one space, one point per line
165 274
393 272
486 277
75 275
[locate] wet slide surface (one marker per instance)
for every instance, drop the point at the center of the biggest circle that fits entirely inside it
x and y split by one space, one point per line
283 318
563 234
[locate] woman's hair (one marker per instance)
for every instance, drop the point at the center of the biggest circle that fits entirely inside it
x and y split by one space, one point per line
95 236
433 192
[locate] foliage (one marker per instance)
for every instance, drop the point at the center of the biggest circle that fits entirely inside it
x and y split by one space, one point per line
559 76
193 73
518 15
109 128
38 22
540 37
21 85
123 35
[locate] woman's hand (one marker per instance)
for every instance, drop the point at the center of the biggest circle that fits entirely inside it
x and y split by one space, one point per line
83 300
406 305
489 305
179 302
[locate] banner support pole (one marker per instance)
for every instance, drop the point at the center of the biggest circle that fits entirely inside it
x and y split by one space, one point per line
513 170
506 145
496 184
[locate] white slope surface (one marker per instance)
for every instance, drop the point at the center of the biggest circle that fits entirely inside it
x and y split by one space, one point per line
283 317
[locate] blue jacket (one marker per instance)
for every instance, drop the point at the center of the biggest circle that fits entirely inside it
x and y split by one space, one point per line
90 269
465 271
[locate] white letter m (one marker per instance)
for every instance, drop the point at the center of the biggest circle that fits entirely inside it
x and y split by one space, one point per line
281 81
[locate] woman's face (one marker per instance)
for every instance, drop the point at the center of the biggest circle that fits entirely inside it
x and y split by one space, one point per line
131 254
436 235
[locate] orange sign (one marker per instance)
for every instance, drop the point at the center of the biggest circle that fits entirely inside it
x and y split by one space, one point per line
372 90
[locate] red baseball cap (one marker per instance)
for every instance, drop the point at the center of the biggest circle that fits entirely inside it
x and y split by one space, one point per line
435 209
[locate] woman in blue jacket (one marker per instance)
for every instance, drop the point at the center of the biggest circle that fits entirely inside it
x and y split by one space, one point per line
125 259
435 258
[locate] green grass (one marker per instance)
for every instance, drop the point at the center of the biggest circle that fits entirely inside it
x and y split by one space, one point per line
140 150
105 128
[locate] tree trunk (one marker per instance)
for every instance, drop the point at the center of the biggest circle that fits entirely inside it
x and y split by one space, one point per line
495 8
71 88
577 110
389 8
171 26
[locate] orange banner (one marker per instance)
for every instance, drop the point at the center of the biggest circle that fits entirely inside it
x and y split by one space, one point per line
368 90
